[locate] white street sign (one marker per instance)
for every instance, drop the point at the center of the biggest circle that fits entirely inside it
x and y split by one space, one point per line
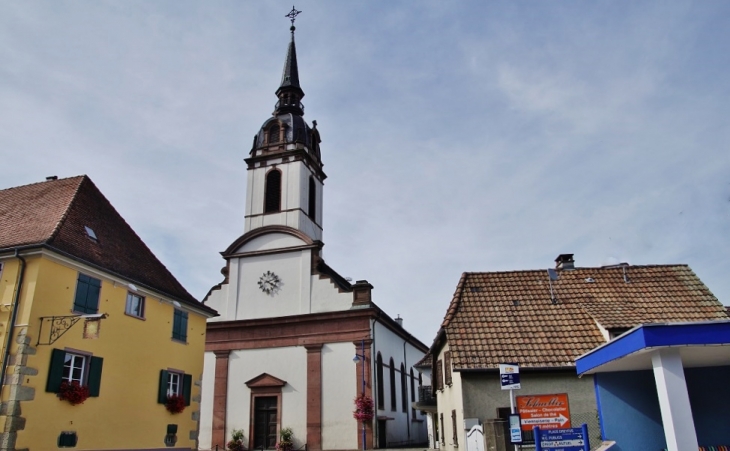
560 419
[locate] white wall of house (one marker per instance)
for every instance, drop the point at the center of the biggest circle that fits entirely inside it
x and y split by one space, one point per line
401 427
449 400
205 431
339 385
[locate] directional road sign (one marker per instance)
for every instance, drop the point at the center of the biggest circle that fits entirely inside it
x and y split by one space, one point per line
570 439
509 376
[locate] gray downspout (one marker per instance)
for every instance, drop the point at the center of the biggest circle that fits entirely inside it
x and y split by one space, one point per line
13 317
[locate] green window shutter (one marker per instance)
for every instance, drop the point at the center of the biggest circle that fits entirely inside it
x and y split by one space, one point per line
162 392
187 387
55 371
94 381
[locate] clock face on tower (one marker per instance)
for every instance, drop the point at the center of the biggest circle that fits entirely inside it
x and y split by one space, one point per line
269 282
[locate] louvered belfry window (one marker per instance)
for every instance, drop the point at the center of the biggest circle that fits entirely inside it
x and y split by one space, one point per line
274 134
272 203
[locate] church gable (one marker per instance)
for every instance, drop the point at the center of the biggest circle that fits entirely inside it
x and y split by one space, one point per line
265 380
271 241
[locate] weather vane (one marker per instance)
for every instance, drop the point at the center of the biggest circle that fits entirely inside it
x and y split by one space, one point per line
293 15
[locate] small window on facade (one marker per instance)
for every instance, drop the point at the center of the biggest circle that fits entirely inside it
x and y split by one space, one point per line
393 405
174 383
274 134
443 431
453 428
135 305
180 325
447 367
67 439
379 381
439 375
312 210
74 367
272 202
87 294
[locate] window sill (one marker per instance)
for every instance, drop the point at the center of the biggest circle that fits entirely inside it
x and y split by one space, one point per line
175 340
141 318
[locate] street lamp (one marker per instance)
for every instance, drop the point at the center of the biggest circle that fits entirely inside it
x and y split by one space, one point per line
357 359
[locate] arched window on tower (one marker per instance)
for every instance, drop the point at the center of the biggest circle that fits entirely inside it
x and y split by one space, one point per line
379 377
403 388
312 210
272 202
274 134
393 405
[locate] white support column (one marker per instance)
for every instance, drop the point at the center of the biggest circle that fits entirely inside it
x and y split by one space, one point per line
679 427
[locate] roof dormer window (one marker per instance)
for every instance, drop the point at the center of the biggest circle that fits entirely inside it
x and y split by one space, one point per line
90 233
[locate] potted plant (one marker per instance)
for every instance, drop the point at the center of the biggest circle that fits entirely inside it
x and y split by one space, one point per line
364 408
175 404
286 440
236 442
73 392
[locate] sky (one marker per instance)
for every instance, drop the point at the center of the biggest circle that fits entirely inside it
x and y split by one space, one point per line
457 136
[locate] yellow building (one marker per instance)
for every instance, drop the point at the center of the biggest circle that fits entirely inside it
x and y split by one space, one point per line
87 311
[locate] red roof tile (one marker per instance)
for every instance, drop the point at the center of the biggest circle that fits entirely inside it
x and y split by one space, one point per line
55 213
503 317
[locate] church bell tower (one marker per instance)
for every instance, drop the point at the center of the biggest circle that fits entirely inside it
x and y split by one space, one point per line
285 177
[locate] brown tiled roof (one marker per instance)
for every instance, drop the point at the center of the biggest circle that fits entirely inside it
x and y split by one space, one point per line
54 214
505 317
425 362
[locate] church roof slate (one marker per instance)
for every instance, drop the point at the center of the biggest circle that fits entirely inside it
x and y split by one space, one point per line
55 214
512 317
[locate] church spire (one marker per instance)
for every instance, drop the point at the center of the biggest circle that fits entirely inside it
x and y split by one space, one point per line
290 93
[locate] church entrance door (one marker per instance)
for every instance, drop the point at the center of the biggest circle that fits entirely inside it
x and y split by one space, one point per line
264 422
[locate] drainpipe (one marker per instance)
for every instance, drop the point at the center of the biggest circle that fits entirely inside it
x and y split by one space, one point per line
13 317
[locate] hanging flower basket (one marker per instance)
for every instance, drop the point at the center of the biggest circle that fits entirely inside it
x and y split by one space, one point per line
364 408
73 392
175 404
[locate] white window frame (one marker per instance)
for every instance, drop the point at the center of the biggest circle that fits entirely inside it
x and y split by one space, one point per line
174 383
73 361
141 305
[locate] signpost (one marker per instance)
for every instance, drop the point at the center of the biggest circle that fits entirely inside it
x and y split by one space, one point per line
509 378
544 411
515 431
571 439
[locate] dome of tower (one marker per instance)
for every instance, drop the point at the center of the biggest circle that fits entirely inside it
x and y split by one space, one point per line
296 130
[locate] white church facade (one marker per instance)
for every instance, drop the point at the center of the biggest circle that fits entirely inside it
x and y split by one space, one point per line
295 342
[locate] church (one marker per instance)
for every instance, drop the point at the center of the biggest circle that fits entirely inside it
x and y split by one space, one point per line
296 343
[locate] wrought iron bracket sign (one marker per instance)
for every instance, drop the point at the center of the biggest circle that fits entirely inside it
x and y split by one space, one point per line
59 325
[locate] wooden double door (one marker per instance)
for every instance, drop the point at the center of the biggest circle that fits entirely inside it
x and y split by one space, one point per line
264 422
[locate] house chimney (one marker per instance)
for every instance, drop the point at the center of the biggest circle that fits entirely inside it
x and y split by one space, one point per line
565 261
399 320
51 178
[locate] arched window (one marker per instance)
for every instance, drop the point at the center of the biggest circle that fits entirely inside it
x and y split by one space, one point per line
413 393
393 404
379 377
403 388
274 134
272 203
312 210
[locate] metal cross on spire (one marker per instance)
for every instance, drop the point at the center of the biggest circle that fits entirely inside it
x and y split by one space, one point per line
293 15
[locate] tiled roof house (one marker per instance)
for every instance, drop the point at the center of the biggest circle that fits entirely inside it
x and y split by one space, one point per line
543 320
86 302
